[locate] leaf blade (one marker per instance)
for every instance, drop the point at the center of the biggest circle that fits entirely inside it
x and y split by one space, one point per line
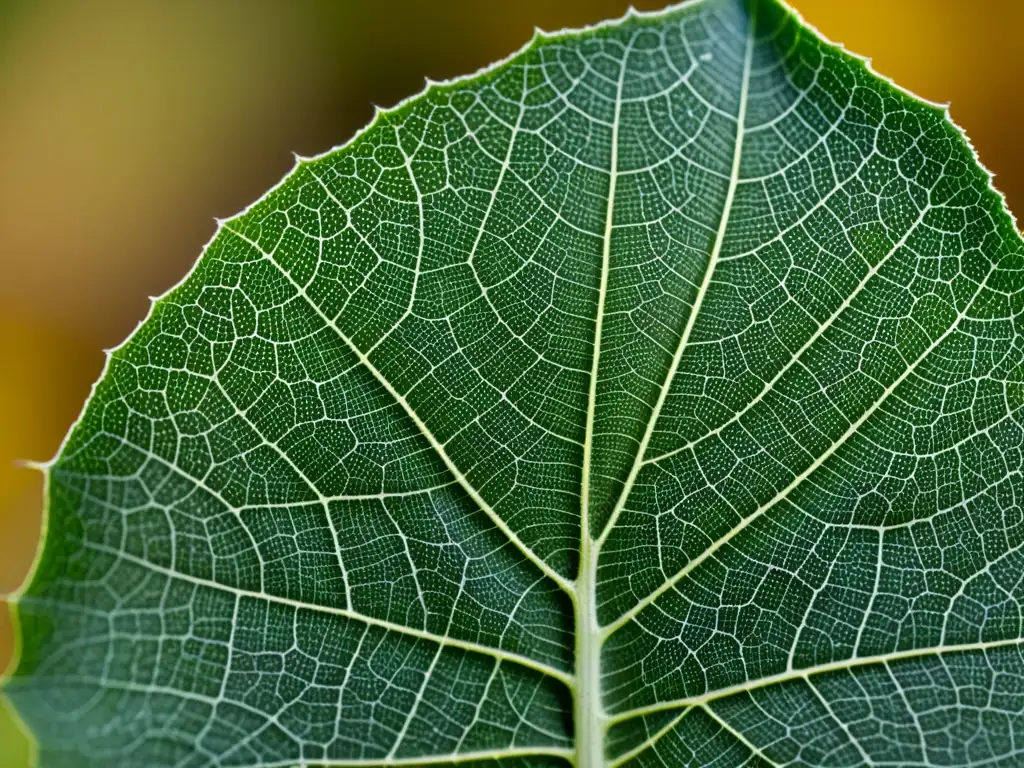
405 389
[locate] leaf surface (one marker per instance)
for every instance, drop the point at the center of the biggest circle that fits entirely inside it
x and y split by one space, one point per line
653 397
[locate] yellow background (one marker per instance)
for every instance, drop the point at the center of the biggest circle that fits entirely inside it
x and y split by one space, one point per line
126 127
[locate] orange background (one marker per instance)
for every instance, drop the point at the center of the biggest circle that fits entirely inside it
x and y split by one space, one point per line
126 127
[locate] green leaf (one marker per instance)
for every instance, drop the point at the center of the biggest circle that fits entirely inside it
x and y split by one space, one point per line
15 743
653 397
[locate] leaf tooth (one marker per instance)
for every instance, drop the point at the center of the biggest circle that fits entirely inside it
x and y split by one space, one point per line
942 107
38 466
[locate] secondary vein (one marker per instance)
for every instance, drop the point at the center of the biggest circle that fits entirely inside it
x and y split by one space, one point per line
453 759
716 249
346 613
807 672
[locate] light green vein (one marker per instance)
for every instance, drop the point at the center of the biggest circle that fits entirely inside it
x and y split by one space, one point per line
587 706
691 320
650 741
411 762
346 613
737 735
821 669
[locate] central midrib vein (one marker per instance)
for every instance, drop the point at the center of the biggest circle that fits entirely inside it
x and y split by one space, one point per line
589 716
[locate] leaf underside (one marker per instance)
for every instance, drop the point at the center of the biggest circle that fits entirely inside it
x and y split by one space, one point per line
652 398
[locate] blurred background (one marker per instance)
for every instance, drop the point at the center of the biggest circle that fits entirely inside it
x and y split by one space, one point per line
127 126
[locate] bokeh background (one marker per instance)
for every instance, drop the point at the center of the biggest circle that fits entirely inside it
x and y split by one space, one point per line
127 126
